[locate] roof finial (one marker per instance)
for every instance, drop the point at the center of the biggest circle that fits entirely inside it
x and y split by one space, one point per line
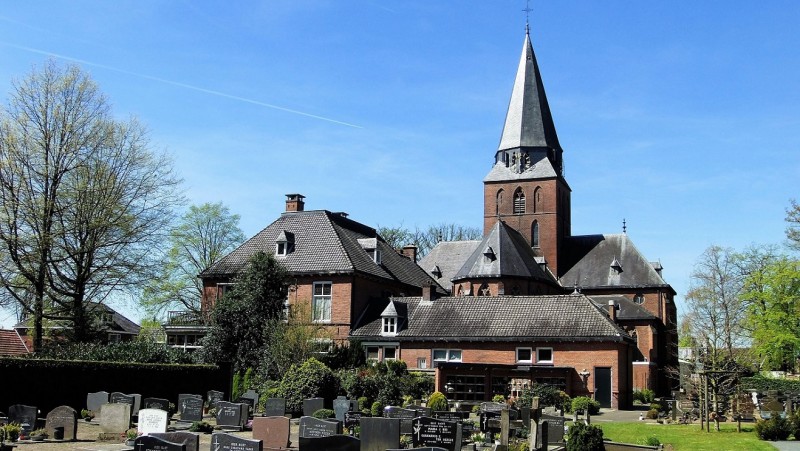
527 16
624 226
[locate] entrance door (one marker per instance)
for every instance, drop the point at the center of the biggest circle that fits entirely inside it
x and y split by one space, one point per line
602 386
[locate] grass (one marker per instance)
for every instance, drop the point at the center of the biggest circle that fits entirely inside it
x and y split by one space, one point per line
687 437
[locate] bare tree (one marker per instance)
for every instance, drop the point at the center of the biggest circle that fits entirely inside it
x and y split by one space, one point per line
427 238
82 197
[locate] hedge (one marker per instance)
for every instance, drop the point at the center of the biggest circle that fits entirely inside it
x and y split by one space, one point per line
762 384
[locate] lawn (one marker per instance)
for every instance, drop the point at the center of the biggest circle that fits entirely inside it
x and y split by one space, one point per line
687 437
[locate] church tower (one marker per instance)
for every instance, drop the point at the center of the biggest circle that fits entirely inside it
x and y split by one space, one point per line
526 188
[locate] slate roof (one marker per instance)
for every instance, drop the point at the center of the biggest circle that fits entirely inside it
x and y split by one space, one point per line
324 243
589 259
628 310
528 120
11 344
498 318
449 256
512 257
541 169
119 323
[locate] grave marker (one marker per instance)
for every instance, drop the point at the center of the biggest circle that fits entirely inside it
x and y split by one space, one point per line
275 407
330 443
95 400
405 416
190 439
23 415
150 443
190 407
213 396
379 434
313 427
312 405
341 406
232 415
152 420
62 421
432 432
272 431
221 441
115 418
156 403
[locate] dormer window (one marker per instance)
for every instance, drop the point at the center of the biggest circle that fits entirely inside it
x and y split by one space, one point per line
616 266
284 244
489 254
390 319
389 325
375 255
436 272
370 246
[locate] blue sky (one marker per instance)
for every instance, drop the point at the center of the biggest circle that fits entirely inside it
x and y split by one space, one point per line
681 117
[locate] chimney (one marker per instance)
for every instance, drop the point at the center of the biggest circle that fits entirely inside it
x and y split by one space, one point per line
294 202
428 292
612 310
409 252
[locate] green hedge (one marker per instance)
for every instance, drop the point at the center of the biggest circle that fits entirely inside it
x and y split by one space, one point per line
762 384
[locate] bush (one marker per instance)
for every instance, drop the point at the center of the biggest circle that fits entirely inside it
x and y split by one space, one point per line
644 396
376 410
794 425
776 428
438 402
324 414
656 406
650 441
500 399
652 414
201 426
585 404
134 351
583 437
363 404
311 379
548 396
763 384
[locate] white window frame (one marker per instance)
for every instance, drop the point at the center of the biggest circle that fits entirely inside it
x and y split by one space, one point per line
530 355
389 325
281 248
422 363
321 314
449 355
538 355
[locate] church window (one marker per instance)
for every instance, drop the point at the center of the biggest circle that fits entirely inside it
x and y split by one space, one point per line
535 234
537 199
519 202
484 290
321 302
499 203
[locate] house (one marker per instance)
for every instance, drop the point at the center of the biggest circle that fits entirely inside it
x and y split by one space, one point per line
111 325
11 344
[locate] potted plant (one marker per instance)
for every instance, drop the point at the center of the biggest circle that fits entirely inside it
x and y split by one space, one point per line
12 431
37 435
87 415
130 436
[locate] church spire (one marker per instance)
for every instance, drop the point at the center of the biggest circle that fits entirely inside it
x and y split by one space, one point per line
529 123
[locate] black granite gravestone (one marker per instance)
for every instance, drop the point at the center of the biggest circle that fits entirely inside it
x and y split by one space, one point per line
213 396
405 416
330 443
231 414
221 441
190 407
432 432
156 403
151 443
23 415
312 405
275 407
314 427
379 434
190 439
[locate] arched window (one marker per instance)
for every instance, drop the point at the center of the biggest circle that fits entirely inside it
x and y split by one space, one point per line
519 202
537 199
535 234
498 203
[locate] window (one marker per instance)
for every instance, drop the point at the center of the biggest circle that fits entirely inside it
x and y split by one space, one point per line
223 289
321 302
389 353
114 338
519 202
374 255
544 355
535 234
639 298
372 352
389 325
422 363
465 387
537 199
287 311
446 355
499 202
281 249
524 355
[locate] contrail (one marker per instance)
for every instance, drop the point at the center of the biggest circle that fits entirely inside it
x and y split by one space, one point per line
179 84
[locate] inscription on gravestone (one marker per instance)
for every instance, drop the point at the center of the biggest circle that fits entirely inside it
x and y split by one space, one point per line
190 439
231 414
555 429
314 427
213 396
152 420
156 403
190 407
432 432
150 443
352 419
404 415
221 441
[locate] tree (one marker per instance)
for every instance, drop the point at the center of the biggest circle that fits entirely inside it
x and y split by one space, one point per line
203 235
83 198
239 328
426 239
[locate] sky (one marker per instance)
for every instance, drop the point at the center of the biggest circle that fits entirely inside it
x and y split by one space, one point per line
681 118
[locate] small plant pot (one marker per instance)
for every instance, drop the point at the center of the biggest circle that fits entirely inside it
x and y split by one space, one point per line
130 442
37 438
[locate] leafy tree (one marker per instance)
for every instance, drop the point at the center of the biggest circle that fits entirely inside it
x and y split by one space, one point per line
793 229
239 320
203 235
83 199
773 296
309 380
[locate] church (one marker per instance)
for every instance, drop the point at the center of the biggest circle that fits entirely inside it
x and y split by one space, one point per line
528 303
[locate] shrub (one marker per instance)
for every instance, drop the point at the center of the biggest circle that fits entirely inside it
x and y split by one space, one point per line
201 426
651 414
794 425
363 404
437 402
499 399
12 431
324 414
548 396
311 379
582 437
519 446
650 441
417 385
644 396
776 428
585 404
376 410
656 406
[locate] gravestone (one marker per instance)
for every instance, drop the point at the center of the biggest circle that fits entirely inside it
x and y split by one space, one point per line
231 415
555 429
330 443
156 403
341 406
450 416
493 406
405 416
190 407
312 405
115 418
150 443
221 441
489 422
23 415
314 427
427 448
251 404
62 421
432 432
275 407
152 420
352 419
95 400
190 439
272 431
121 398
421 411
213 396
252 394
379 434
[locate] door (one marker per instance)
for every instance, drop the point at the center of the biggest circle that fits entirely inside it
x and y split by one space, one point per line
602 386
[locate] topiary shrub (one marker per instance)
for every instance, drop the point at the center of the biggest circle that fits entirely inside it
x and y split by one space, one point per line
499 399
776 428
324 414
438 402
582 437
585 404
377 409
652 414
310 380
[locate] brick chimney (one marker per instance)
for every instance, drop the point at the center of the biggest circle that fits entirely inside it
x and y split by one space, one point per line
294 202
428 292
409 252
612 310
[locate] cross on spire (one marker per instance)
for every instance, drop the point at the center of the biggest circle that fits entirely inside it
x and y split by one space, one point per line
527 11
